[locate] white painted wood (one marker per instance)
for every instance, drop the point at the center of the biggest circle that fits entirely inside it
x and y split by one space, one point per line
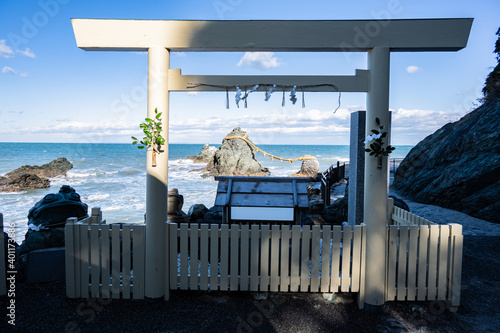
78 259
433 262
305 280
126 261
290 36
422 263
284 282
69 258
105 262
295 259
346 259
392 262
402 260
412 263
204 240
255 258
275 257
325 258
115 261
456 272
315 257
224 257
245 258
183 242
356 258
173 244
361 294
264 258
138 260
235 257
444 240
336 251
262 213
214 257
85 260
193 257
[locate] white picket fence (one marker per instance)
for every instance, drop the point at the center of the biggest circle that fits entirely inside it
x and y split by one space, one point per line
265 257
104 261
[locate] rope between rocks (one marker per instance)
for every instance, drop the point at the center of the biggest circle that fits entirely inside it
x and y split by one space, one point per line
244 138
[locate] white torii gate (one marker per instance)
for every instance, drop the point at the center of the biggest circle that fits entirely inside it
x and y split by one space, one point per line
377 37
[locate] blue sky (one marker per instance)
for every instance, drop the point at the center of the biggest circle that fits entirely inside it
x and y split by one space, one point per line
51 91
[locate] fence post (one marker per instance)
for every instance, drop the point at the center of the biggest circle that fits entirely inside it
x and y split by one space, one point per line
69 257
167 262
390 210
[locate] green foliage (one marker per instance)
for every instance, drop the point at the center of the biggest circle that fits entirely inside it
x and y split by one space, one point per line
491 88
377 146
152 134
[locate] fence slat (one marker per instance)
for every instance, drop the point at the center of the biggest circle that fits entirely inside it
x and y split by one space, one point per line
275 255
423 246
392 260
139 250
204 257
254 259
433 262
335 281
325 259
235 259
356 259
285 259
264 258
193 257
456 270
69 258
361 294
183 242
295 260
173 255
402 259
224 257
105 262
214 257
126 261
412 263
84 261
315 256
444 239
346 259
244 262
305 280
115 261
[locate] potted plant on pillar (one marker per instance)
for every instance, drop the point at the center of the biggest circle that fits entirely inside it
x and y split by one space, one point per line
377 148
152 135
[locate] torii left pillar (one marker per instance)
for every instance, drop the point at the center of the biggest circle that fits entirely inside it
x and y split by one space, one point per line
157 178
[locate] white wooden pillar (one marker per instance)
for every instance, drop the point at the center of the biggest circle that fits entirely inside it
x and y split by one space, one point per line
376 181
157 177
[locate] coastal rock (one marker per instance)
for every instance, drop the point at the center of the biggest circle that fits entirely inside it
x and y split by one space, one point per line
336 213
400 203
30 177
309 167
24 181
205 156
235 157
197 211
458 166
57 167
214 213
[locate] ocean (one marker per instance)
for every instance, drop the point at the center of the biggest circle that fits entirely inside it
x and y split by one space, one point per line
113 176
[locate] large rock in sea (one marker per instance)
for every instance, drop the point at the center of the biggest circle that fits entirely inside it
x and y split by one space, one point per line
235 157
34 177
205 156
458 167
308 168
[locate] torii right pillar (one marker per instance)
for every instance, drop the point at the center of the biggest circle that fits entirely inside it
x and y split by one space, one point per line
376 181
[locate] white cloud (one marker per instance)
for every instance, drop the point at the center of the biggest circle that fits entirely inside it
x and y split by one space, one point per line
5 50
262 60
28 53
23 74
413 69
8 70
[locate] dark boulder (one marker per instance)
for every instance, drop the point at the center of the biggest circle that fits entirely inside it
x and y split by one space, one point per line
206 155
458 166
336 213
235 157
23 181
197 211
57 167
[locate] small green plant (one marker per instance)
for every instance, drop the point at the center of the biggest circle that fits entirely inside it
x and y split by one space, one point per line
152 134
377 147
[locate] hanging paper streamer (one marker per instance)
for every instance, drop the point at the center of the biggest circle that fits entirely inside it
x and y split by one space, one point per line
283 101
248 92
268 93
227 98
237 97
303 100
293 98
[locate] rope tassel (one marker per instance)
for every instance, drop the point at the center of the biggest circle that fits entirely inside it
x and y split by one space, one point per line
283 101
303 100
227 98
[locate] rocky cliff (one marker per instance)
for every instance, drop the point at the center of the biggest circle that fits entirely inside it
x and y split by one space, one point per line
458 166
